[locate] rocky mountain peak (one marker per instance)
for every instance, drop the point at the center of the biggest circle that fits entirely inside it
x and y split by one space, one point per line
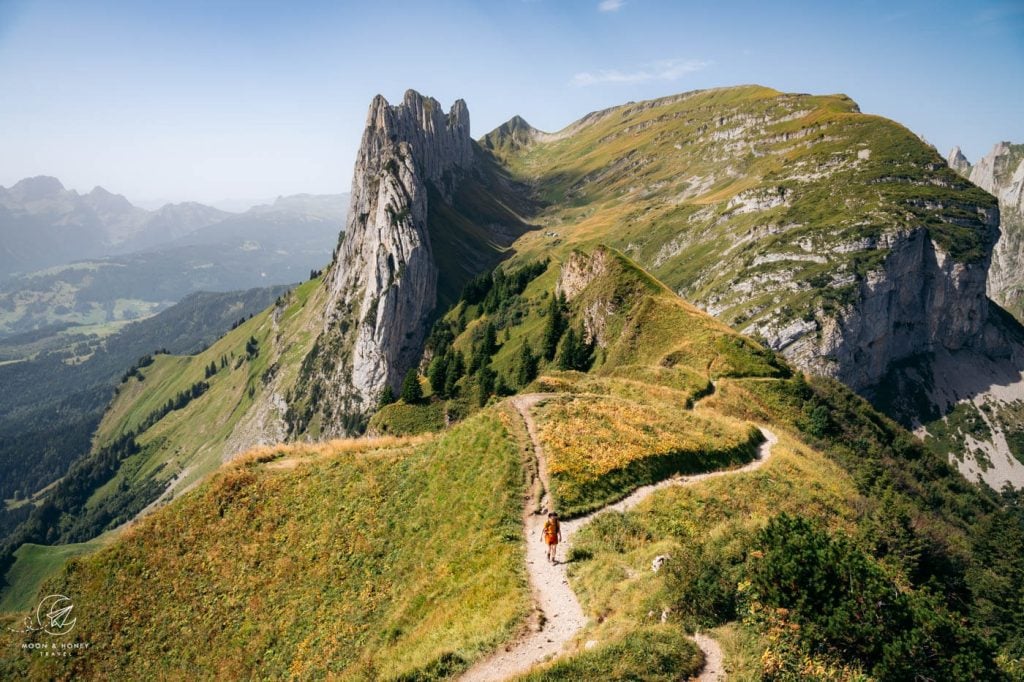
108 202
1001 172
34 189
510 135
383 283
437 142
957 161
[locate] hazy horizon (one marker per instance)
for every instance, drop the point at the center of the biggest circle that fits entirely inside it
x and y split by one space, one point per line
234 103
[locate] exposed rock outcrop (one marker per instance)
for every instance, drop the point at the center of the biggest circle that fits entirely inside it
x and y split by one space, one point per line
1001 173
957 161
921 300
577 273
382 285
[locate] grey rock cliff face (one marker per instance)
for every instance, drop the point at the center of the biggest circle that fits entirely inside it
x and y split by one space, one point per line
382 285
920 301
1001 173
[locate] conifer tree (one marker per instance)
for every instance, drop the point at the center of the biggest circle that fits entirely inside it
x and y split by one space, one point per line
485 384
526 369
490 342
554 326
567 350
437 373
455 370
412 392
387 396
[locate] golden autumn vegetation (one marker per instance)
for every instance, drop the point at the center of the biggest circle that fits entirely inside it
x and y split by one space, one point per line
600 448
359 559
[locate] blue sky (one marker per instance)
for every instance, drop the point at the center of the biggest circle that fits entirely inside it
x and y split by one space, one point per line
248 100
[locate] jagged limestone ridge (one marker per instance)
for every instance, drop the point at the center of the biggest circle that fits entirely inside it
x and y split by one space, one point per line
382 286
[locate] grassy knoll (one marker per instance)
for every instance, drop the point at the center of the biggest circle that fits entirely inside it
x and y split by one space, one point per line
655 653
600 448
364 560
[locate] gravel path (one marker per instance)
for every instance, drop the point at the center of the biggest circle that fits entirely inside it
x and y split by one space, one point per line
560 615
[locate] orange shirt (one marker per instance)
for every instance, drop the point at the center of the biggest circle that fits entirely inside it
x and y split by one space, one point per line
551 531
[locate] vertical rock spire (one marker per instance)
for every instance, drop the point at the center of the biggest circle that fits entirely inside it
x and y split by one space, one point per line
383 283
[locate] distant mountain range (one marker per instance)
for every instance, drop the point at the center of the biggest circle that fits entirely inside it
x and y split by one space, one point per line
44 224
71 259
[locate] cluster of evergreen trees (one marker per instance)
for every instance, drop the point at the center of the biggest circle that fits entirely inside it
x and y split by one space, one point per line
494 296
493 289
562 344
180 400
144 361
212 368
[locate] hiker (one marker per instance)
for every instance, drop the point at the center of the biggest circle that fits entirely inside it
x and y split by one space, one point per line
552 535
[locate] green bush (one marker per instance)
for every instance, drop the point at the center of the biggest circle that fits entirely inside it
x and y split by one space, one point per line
846 607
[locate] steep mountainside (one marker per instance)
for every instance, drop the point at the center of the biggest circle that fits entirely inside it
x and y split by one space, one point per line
55 399
838 237
849 553
428 211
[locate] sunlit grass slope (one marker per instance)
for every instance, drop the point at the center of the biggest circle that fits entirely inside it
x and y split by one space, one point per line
33 564
191 442
739 197
366 559
671 389
600 448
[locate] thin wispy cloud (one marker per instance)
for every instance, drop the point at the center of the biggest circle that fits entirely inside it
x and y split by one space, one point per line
662 70
610 5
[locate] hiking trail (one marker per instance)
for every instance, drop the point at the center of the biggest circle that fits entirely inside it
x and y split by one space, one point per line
560 614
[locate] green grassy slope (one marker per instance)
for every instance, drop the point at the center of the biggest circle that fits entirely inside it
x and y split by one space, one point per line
191 441
374 560
33 565
360 559
176 419
839 466
741 198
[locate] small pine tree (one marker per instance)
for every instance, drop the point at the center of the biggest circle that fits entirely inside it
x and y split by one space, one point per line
485 384
526 370
490 342
567 350
386 397
574 352
437 372
412 392
455 371
501 386
554 327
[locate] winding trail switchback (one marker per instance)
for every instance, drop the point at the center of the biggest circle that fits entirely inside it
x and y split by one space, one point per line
561 616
